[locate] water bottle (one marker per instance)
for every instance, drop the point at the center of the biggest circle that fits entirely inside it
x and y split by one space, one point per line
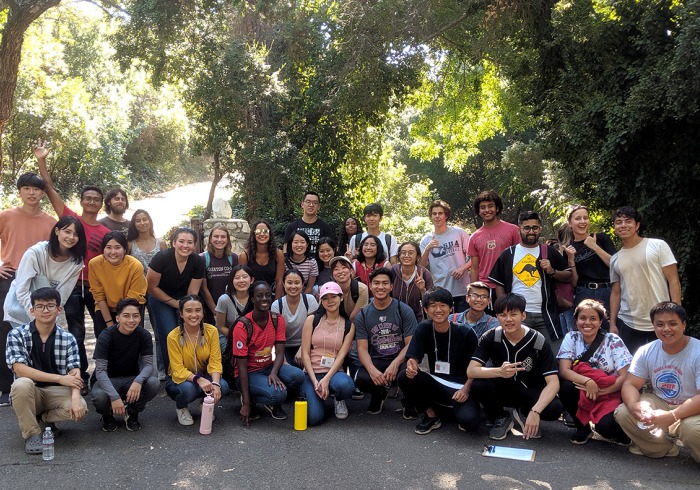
47 439
301 408
207 415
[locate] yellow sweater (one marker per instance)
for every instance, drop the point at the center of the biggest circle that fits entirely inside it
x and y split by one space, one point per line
182 360
111 283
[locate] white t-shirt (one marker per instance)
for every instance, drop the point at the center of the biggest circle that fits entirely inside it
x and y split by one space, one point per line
391 252
526 277
611 356
450 254
674 378
639 270
295 321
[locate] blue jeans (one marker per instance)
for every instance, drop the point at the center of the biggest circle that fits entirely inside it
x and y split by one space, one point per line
158 356
186 392
103 405
341 386
261 392
600 294
164 319
80 298
566 321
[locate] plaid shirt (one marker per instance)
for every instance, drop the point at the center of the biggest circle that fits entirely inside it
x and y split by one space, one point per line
19 348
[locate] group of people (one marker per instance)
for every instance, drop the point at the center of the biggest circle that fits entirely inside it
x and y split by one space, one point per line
329 320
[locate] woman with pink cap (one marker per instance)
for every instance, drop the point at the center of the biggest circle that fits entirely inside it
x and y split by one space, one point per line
325 341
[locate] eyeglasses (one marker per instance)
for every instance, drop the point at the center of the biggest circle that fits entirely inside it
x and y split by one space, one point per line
311 203
50 307
482 297
532 228
92 199
262 232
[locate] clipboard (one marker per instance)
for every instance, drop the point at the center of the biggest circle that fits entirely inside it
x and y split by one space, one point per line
509 453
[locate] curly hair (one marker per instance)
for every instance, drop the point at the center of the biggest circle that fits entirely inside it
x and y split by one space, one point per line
381 255
343 238
252 245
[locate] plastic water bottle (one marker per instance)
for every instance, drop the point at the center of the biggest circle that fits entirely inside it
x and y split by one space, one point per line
301 408
47 439
207 415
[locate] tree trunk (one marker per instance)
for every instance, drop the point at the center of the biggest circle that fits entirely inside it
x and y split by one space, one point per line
20 15
217 178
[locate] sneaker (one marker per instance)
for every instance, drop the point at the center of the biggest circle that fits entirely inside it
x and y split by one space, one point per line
582 435
521 419
409 412
254 412
109 423
341 409
427 424
672 453
622 440
184 416
501 428
132 421
5 400
276 411
357 395
376 402
162 376
459 426
56 431
568 420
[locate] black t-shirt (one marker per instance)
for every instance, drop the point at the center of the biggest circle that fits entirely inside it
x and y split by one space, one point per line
315 230
462 343
537 363
589 266
172 282
42 356
121 351
219 274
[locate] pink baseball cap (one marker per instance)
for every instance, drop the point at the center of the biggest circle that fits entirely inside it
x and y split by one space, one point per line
330 288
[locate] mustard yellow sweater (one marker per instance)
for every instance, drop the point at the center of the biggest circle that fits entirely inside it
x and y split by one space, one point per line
111 283
182 359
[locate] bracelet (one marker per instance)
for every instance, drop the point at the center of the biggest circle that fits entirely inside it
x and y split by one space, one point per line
674 415
589 379
535 411
216 384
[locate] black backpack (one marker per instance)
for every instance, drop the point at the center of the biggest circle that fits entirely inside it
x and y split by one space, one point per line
227 358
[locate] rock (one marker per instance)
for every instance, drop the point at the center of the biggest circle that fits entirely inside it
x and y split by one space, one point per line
220 208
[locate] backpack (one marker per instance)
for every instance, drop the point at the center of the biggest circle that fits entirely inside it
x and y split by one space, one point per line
354 290
207 259
227 358
303 296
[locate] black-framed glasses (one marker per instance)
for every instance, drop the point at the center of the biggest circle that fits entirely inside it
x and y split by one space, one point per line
49 307
532 228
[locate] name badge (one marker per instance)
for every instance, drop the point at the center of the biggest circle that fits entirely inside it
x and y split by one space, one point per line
442 367
327 361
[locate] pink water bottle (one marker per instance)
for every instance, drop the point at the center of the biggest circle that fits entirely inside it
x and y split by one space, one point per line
207 415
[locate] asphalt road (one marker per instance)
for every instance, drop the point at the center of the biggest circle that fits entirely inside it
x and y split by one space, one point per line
363 451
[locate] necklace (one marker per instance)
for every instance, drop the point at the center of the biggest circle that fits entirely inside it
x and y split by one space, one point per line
196 337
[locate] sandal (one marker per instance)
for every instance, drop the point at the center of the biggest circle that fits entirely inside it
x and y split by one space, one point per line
34 444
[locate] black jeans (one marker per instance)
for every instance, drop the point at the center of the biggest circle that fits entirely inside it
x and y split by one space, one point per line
424 392
632 338
570 396
496 394
6 376
80 298
364 383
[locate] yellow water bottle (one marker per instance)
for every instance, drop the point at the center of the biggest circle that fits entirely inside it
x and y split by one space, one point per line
300 414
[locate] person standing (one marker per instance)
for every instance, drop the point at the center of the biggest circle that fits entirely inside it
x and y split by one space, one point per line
643 273
116 204
309 223
81 297
445 252
20 228
530 270
373 214
487 243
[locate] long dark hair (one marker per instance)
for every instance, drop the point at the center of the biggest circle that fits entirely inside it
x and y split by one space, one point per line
181 306
133 233
324 240
252 245
77 251
230 290
343 238
381 255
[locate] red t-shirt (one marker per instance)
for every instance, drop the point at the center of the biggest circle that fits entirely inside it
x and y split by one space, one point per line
262 343
93 236
488 243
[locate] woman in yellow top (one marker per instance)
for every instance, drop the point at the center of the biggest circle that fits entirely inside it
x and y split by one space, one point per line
195 359
114 275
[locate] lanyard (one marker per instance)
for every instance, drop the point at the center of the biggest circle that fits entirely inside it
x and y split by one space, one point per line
328 325
449 341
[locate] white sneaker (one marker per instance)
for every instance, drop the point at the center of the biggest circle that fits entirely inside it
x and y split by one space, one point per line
341 410
184 416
